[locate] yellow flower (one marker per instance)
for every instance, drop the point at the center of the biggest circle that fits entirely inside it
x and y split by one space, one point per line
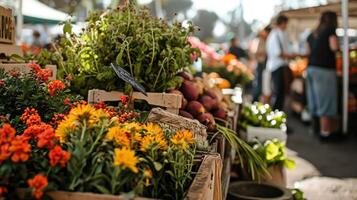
119 136
153 129
84 113
182 139
147 175
64 128
126 158
153 142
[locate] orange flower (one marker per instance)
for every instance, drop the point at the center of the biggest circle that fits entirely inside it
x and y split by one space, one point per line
54 86
36 130
31 117
46 138
59 156
7 134
20 149
3 191
38 184
42 74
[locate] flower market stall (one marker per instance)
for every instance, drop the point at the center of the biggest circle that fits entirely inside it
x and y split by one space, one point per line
122 117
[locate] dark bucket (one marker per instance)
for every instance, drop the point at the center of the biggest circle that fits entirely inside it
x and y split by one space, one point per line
248 190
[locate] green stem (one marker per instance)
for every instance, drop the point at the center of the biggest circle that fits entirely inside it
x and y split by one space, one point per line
158 75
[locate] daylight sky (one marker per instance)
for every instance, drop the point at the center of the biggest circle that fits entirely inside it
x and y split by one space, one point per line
261 10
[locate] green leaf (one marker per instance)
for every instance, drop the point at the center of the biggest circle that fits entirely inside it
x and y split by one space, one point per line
101 189
67 28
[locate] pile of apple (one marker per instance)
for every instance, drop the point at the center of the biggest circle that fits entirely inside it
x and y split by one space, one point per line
201 100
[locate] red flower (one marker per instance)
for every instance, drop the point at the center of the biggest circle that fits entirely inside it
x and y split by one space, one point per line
100 105
2 83
54 86
20 149
7 134
31 117
3 191
38 184
42 74
59 156
124 100
67 101
56 119
46 139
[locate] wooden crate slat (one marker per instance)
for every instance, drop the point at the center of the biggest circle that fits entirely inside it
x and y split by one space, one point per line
22 67
176 122
172 102
9 49
207 183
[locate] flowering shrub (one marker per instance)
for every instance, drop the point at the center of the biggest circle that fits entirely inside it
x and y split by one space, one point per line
113 157
91 151
19 91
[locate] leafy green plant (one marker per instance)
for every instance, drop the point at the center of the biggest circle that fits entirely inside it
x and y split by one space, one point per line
247 156
149 48
298 194
262 115
273 153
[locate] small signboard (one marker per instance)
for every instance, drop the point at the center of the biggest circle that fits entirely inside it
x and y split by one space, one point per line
7 26
125 76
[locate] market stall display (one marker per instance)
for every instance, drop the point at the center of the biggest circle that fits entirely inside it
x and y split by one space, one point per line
180 145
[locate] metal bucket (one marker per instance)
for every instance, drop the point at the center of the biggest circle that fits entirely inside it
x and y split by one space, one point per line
248 190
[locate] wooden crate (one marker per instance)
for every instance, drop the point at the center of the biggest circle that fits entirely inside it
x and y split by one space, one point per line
171 102
9 49
205 186
176 122
22 67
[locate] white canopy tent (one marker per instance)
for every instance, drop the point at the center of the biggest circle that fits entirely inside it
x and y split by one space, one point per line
34 11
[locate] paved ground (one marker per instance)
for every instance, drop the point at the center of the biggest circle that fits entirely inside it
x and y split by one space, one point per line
338 159
323 170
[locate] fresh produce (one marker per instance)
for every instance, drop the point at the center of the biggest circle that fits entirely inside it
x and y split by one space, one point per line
208 102
220 113
205 101
190 90
150 49
207 120
273 153
91 151
261 115
195 108
185 114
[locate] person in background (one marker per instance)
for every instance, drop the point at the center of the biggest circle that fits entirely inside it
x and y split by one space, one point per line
277 49
36 42
236 50
261 57
321 82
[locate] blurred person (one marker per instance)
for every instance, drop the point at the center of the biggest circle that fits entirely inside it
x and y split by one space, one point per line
278 55
261 56
36 41
237 50
322 44
36 45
